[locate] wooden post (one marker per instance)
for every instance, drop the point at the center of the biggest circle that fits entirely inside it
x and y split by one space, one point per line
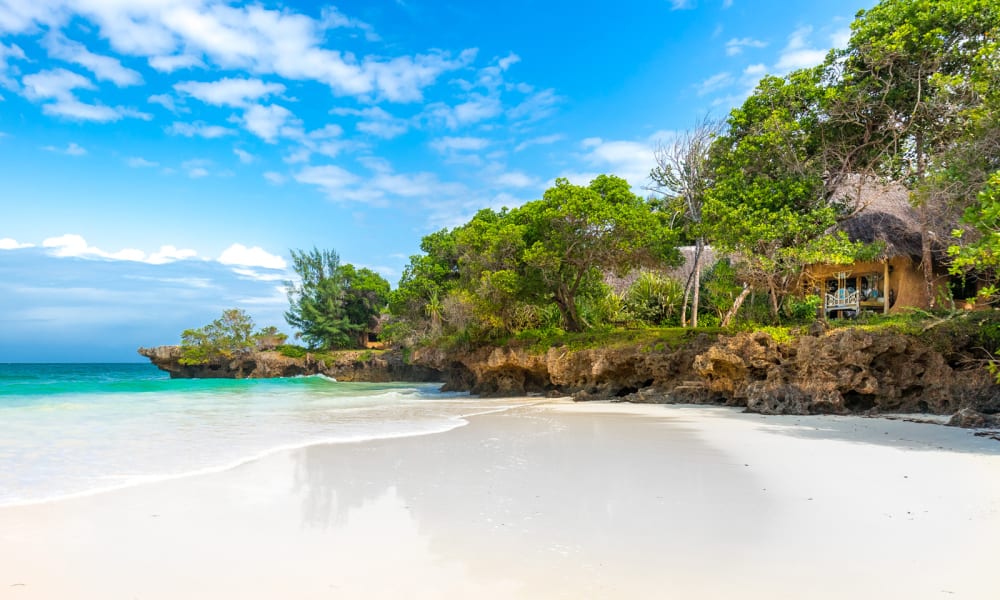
885 287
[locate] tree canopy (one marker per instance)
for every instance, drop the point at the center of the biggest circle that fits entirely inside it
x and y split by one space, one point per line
333 305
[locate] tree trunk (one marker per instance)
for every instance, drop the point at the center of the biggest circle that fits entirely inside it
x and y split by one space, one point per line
699 248
926 256
772 293
736 306
567 308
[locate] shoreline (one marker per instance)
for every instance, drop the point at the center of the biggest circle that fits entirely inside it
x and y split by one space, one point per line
140 480
545 500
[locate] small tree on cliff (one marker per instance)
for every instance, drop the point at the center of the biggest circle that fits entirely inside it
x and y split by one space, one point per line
226 337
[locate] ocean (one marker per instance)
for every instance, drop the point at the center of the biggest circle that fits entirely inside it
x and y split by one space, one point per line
69 429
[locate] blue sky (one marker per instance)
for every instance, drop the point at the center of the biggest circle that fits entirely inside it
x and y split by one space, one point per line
161 157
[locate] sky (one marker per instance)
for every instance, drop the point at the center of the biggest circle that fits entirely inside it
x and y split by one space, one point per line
159 159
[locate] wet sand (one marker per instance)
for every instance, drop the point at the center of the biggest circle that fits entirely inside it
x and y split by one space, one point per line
555 500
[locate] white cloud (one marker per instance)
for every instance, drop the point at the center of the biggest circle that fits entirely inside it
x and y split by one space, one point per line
477 108
258 276
174 62
727 4
229 92
104 68
199 129
378 187
240 255
736 45
173 34
244 156
516 179
137 162
197 167
681 4
72 245
275 178
451 144
7 72
797 54
55 89
841 38
270 122
629 159
375 121
714 83
12 244
538 141
535 107
163 100
72 149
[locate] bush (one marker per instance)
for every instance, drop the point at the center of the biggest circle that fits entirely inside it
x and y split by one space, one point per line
292 351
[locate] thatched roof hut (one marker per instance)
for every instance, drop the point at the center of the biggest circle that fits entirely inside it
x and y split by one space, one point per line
881 213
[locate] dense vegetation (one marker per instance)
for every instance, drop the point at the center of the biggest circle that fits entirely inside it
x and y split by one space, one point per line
912 101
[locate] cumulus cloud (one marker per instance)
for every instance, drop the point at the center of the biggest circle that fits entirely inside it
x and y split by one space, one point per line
715 82
232 92
629 159
73 245
798 54
7 71
12 244
277 41
163 100
736 45
244 156
447 144
137 162
55 89
477 108
537 106
538 141
104 68
516 179
196 168
274 177
375 121
71 149
199 129
270 122
255 256
378 187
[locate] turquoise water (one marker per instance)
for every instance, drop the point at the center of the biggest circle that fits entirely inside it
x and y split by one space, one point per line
67 429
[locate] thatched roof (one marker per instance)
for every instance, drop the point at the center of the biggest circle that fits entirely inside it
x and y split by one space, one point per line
880 213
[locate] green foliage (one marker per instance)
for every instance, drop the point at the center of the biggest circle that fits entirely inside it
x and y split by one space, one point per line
654 299
804 309
333 305
535 266
227 337
983 255
292 351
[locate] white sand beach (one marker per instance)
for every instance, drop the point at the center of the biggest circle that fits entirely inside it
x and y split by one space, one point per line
554 500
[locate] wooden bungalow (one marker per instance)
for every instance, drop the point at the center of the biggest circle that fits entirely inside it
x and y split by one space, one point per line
893 280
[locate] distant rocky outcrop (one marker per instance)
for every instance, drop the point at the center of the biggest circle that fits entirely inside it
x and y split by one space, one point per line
348 365
844 371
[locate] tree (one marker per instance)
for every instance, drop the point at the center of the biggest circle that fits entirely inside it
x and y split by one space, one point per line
683 171
555 250
333 305
227 337
365 295
769 204
919 70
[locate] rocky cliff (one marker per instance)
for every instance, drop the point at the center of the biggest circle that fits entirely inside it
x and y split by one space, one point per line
353 365
842 371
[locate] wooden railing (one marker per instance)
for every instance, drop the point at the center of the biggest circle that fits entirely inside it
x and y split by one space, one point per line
842 300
